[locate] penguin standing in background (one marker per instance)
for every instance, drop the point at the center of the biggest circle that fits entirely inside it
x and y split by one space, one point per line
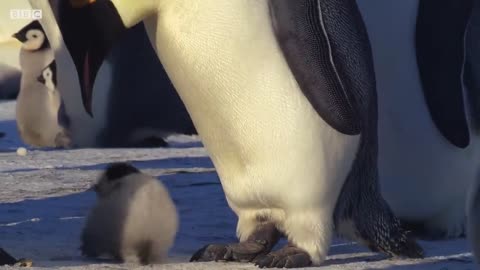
429 139
49 79
263 81
37 104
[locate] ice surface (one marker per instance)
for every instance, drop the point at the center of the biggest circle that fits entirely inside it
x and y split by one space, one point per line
44 198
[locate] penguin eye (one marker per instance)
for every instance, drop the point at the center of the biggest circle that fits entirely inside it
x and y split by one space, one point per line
34 34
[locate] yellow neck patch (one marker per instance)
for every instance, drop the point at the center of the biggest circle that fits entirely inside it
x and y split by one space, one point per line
81 3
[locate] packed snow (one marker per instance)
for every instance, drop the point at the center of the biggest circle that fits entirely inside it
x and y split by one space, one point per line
45 196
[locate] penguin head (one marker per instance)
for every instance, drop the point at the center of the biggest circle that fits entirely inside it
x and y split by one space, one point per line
113 177
90 28
33 37
48 77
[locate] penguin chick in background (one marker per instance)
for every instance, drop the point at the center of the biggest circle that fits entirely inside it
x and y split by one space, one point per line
134 219
37 105
49 79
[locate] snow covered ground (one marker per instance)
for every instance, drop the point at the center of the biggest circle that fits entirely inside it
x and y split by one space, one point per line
44 198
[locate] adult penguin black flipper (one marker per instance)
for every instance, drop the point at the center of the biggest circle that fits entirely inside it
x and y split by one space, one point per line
440 57
327 48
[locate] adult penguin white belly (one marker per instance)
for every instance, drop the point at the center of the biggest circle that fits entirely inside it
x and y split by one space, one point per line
262 81
121 119
428 146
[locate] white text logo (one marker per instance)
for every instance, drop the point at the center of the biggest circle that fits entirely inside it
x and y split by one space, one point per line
26 14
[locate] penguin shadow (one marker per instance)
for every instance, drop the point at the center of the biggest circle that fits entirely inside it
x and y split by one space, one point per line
439 255
342 252
461 263
184 145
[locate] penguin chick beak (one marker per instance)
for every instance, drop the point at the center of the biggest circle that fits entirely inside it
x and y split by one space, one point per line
41 79
89 28
19 37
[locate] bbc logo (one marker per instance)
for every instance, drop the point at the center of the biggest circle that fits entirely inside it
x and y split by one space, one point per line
26 14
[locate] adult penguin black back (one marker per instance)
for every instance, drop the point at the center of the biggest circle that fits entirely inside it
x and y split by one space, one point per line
267 80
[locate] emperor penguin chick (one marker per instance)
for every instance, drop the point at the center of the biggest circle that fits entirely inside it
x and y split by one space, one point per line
134 219
38 101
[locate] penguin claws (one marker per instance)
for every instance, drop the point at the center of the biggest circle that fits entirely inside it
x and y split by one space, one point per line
286 257
411 249
405 247
240 252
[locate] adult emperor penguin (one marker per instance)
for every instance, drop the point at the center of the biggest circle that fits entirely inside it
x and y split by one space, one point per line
37 104
262 81
429 145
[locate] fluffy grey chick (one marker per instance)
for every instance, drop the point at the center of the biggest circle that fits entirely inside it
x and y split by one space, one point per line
134 219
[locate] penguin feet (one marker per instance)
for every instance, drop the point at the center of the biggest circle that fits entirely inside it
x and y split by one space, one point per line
286 257
260 242
62 140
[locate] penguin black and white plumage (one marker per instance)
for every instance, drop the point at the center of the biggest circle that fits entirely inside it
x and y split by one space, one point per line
133 220
429 144
35 53
37 103
48 77
121 119
262 81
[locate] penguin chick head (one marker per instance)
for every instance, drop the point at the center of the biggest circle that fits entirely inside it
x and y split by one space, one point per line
111 178
48 77
33 37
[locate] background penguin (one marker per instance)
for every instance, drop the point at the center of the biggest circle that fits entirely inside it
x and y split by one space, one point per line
134 219
121 119
472 81
49 79
429 143
37 104
303 88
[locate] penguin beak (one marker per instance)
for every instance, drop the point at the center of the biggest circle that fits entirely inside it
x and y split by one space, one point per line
19 37
89 28
41 79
